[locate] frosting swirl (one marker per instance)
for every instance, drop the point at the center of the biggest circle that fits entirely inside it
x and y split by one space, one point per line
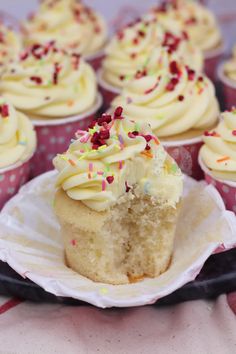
10 46
230 66
70 23
131 47
115 154
49 83
170 96
17 137
196 19
219 149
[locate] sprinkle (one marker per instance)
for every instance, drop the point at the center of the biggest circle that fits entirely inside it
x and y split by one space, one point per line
147 154
234 132
127 187
155 140
225 158
100 173
72 162
103 185
73 242
120 165
121 140
4 111
107 167
103 291
80 132
84 139
181 98
110 179
212 134
70 103
118 113
38 80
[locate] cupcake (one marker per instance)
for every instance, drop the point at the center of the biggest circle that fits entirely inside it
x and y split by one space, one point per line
58 92
201 25
178 103
74 26
130 49
118 198
17 145
10 46
227 77
218 158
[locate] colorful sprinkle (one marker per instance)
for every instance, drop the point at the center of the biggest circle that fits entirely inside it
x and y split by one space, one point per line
103 185
120 165
223 159
72 162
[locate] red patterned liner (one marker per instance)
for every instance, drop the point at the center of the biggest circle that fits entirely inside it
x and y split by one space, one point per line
108 91
228 88
211 62
95 60
227 189
54 137
12 178
185 153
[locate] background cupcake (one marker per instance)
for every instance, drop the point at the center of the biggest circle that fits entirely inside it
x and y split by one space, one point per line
57 90
227 77
178 102
130 49
218 158
17 145
71 24
10 46
201 25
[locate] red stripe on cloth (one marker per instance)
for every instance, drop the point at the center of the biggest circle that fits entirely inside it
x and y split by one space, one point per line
232 301
9 305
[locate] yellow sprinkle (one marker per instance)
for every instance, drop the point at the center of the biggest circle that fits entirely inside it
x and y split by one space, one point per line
70 103
103 291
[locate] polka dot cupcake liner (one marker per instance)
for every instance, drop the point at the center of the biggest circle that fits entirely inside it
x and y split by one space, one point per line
54 137
185 153
228 88
211 62
12 179
108 91
95 60
227 189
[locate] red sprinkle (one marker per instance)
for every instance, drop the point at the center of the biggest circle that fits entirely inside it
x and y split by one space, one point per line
4 110
57 69
171 85
191 73
38 80
127 188
105 118
234 132
118 113
181 98
110 179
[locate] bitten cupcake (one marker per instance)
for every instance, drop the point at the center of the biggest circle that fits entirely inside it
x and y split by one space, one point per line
10 46
218 157
58 92
74 26
201 25
118 201
130 49
17 145
177 102
227 77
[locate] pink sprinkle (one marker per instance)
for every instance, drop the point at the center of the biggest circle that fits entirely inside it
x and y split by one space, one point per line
100 173
80 132
103 185
85 138
121 140
73 242
120 165
82 151
90 167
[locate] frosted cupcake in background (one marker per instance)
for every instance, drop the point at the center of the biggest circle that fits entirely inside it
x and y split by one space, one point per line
130 49
227 77
218 158
10 46
201 25
17 146
57 91
118 201
178 102
74 26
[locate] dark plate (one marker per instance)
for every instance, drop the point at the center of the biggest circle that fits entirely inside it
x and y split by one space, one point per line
218 276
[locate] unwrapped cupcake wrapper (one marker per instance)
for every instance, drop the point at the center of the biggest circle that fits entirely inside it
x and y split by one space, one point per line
12 179
185 153
108 91
227 189
31 243
95 60
211 61
54 137
228 88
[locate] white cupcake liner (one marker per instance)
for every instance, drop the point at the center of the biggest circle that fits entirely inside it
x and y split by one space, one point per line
31 244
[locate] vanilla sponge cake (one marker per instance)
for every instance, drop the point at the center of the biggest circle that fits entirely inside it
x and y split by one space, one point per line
118 198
